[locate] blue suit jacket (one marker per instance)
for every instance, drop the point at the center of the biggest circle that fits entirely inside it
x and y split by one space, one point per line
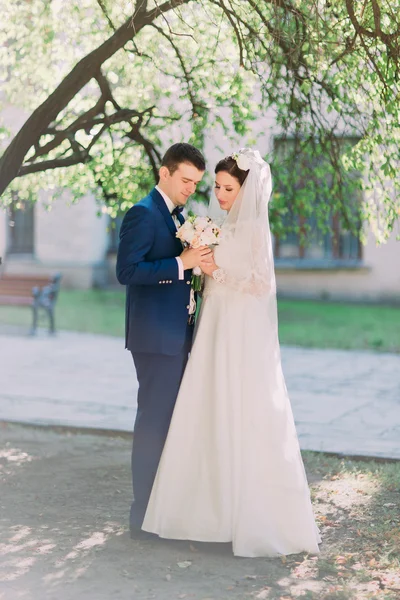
157 301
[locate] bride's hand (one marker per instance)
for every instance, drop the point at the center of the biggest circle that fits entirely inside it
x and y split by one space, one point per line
208 265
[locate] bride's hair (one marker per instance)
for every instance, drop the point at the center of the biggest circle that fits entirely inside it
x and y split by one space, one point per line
229 165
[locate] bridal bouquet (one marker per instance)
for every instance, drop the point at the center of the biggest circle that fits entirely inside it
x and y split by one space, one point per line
196 232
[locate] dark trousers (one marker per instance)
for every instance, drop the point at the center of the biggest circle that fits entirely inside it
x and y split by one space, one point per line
159 378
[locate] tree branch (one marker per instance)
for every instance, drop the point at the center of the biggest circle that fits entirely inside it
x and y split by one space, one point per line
188 81
105 13
81 74
386 38
56 163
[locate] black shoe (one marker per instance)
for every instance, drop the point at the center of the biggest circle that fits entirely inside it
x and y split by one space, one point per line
139 534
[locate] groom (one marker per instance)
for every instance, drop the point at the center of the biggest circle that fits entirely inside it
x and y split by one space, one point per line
159 309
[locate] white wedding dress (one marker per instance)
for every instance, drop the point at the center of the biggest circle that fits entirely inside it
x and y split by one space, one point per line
231 469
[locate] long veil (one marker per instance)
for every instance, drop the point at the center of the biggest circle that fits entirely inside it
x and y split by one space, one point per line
246 246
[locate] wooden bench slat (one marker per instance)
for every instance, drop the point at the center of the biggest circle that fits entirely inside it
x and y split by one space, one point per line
17 289
23 281
11 291
16 286
21 286
13 286
6 276
16 300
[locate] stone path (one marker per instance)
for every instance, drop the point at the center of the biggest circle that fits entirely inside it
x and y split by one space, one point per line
345 402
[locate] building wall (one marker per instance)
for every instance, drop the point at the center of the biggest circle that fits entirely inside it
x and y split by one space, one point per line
376 279
70 239
3 229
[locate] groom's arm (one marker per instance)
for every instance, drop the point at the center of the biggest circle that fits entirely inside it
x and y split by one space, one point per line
136 239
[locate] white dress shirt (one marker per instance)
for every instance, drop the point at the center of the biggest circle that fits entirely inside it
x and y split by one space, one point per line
171 206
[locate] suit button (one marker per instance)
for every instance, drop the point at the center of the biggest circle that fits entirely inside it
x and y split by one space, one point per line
188 306
188 282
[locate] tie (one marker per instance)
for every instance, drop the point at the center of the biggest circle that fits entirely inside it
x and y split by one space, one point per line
177 216
177 211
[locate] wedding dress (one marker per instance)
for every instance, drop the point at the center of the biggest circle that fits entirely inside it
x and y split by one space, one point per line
231 469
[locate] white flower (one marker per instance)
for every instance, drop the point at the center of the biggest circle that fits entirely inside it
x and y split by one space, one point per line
200 223
243 162
186 225
186 232
195 242
208 237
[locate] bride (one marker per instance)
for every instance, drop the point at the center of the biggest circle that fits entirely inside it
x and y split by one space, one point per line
231 469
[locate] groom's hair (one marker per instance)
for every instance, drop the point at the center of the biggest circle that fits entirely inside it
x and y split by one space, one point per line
183 153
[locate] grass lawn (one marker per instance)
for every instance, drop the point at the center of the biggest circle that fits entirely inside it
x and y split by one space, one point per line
301 323
90 311
339 325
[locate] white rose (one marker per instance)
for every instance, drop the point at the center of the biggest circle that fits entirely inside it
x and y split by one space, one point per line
188 225
243 162
200 223
208 237
189 236
186 232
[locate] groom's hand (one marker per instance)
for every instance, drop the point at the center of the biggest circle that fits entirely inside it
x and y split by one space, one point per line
192 257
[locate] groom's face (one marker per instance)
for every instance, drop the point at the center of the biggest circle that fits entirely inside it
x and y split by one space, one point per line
181 184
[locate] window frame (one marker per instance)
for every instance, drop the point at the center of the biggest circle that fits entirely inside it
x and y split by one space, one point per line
16 246
334 260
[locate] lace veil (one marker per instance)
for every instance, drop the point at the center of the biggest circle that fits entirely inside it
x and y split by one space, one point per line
245 251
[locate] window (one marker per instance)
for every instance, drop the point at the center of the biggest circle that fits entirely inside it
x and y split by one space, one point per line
21 238
336 245
304 242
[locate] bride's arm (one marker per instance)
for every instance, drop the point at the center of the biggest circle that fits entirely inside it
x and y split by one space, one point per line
255 281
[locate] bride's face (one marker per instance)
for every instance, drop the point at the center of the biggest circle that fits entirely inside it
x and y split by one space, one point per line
226 189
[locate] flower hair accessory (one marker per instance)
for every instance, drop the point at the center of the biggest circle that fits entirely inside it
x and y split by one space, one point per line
242 161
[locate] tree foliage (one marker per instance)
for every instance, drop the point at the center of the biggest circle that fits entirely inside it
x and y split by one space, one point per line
108 84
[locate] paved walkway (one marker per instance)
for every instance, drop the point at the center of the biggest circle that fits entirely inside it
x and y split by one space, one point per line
346 402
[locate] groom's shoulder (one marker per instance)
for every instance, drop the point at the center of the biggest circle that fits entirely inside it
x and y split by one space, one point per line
147 202
144 207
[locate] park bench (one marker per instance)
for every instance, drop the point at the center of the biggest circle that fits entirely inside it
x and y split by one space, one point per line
39 292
